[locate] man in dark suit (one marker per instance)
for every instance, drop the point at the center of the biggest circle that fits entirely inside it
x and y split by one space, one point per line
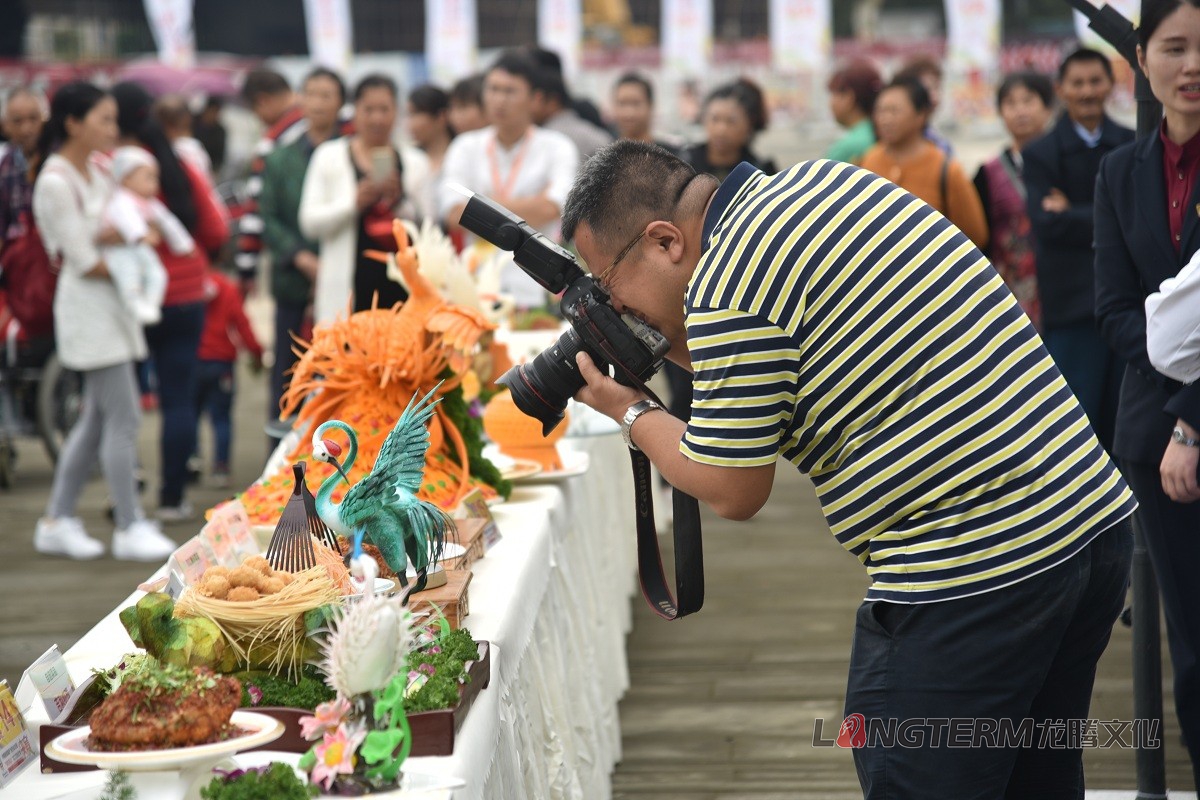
1060 177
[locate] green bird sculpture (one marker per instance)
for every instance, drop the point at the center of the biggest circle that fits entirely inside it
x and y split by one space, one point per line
186 642
383 507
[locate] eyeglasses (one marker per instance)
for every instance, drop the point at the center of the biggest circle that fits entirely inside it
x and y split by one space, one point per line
604 278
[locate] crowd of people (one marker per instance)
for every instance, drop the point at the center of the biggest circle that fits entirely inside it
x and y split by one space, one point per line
119 186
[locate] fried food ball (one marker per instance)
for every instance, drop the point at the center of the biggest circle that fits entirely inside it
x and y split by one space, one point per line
242 594
271 586
285 577
246 576
259 563
217 570
215 586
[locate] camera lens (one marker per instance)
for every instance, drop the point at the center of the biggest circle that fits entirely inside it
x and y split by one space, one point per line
542 387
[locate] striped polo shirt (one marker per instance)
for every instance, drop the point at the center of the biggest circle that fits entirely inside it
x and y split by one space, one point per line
840 322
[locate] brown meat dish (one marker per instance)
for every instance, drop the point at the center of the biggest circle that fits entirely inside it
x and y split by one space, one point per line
134 719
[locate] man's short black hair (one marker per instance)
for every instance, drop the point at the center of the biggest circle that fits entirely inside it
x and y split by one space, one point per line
376 80
263 83
636 79
468 91
1035 82
1082 56
328 74
552 85
624 186
517 62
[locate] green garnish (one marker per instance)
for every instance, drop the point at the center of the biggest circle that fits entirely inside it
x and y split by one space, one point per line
276 782
445 672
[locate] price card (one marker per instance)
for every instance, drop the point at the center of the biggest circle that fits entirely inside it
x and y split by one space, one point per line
16 745
53 682
192 558
228 534
474 506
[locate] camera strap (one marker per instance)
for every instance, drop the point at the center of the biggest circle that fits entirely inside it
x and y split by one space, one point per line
689 550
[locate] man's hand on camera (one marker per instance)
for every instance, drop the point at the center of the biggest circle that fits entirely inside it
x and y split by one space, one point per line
602 392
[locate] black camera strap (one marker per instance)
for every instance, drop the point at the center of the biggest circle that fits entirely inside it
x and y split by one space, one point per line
689 550
689 547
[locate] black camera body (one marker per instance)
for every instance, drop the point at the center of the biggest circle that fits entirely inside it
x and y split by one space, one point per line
542 388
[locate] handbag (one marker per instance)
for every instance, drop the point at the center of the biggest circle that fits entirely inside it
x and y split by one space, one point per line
30 276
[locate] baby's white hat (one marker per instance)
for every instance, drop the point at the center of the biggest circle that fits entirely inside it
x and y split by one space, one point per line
126 159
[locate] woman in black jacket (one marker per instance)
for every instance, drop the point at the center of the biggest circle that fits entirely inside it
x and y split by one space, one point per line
1147 228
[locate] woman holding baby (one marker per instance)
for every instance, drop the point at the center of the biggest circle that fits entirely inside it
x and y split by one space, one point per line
94 331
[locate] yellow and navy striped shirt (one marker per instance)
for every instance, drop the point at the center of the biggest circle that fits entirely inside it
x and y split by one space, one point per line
840 322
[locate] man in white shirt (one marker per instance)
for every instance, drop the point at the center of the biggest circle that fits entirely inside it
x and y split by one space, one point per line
527 169
1173 324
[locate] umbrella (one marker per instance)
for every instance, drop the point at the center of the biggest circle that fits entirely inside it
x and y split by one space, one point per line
213 80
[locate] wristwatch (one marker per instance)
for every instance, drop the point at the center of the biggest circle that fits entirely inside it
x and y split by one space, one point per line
1177 436
631 414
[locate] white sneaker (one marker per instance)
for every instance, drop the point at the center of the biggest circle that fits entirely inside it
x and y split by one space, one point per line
142 541
65 536
180 513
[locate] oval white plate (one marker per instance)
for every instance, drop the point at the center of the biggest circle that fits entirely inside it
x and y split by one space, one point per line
71 747
575 462
382 586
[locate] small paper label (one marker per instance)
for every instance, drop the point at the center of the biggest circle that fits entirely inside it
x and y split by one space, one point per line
54 685
192 558
16 745
474 506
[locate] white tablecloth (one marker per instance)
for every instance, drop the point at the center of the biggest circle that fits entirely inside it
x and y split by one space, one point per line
554 599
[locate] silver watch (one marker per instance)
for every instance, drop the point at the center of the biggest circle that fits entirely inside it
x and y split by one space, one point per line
631 414
1177 436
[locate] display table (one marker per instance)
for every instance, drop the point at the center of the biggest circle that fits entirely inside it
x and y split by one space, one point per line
553 596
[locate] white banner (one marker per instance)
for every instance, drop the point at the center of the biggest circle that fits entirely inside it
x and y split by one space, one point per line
1130 9
450 39
801 40
973 35
171 23
330 33
686 37
560 28
972 59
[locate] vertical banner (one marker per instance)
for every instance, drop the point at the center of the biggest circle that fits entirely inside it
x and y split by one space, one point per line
450 39
560 28
171 23
686 37
973 57
800 35
330 33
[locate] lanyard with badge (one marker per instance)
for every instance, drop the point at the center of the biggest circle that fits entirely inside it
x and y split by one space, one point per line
503 189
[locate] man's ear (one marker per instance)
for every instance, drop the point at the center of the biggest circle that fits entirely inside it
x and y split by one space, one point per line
666 236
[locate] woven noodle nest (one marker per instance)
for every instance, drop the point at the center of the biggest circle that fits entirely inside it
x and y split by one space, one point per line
267 633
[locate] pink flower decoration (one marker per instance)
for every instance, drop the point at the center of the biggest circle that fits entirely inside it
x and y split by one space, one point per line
327 716
256 694
335 755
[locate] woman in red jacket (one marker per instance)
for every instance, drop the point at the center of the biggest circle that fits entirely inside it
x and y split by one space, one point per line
174 341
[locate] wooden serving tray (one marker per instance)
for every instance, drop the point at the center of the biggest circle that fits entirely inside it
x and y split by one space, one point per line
451 598
470 536
433 731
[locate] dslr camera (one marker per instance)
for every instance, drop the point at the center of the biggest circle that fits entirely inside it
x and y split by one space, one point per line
542 388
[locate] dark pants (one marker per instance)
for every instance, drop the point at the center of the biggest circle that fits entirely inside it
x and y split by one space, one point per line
1172 532
1091 370
1026 651
173 344
289 319
214 396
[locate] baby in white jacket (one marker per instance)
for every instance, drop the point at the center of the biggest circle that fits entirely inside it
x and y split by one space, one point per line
136 270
